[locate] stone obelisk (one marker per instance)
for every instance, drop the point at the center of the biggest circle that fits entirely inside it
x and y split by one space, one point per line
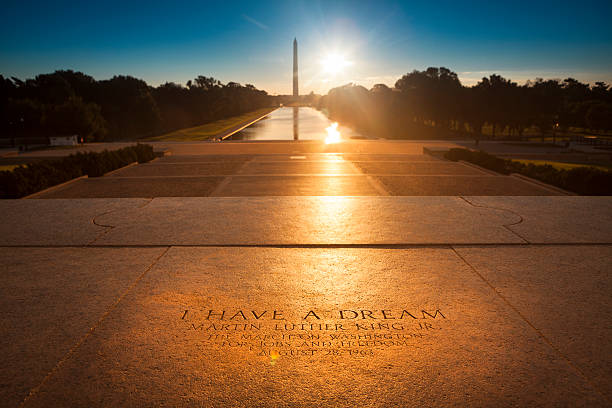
296 93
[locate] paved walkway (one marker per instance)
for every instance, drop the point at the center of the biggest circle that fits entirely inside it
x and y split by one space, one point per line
222 170
292 298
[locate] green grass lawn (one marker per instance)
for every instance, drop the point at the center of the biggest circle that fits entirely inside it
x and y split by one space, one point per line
561 165
209 130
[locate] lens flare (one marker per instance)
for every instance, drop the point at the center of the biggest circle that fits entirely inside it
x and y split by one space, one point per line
334 64
274 355
333 135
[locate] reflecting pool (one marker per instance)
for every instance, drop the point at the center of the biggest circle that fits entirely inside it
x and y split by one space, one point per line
301 123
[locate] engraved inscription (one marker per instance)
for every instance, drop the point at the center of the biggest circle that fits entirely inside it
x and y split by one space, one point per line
275 333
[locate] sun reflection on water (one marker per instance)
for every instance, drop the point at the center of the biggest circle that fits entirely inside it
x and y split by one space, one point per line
333 135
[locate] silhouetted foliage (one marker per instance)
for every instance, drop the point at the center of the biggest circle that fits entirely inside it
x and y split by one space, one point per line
74 117
36 176
423 104
123 107
599 116
582 180
433 103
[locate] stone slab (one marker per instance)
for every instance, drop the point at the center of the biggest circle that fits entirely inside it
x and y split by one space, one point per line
115 187
299 167
204 158
287 185
158 169
322 157
457 344
245 148
461 185
557 219
304 147
390 157
417 168
342 157
57 222
50 298
308 221
565 293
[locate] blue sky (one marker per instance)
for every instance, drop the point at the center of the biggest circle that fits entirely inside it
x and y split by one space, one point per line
250 41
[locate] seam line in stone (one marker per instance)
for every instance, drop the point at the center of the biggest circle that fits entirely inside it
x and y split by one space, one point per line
82 340
506 226
374 183
227 178
361 174
538 332
321 246
108 228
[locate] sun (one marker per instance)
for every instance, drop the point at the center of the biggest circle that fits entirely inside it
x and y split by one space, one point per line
334 63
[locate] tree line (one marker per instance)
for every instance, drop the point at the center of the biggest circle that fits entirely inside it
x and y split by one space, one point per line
67 103
434 103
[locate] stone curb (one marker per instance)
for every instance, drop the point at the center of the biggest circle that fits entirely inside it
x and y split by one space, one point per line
132 164
164 153
53 188
437 153
477 167
519 176
543 185
240 127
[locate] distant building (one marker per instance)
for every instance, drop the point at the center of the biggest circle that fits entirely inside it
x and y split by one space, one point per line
63 140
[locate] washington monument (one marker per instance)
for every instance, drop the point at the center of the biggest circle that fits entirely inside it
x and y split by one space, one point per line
295 69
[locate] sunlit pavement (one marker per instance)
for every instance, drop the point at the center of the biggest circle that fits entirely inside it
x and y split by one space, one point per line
305 274
299 169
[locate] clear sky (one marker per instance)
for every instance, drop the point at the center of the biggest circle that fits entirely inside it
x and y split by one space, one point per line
251 41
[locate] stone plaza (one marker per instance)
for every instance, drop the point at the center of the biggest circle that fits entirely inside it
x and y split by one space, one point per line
363 273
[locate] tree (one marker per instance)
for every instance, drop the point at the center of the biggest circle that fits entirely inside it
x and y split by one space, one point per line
547 102
74 117
206 83
24 117
431 95
497 94
599 116
128 106
67 102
